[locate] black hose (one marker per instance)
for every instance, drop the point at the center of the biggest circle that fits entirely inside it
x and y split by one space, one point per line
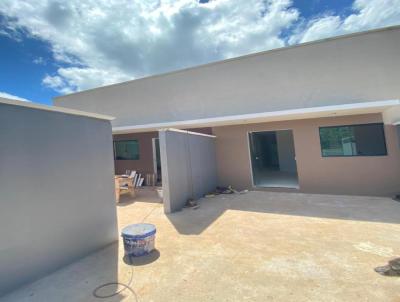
124 287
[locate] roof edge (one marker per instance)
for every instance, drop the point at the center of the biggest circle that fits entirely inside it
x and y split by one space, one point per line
344 36
281 115
187 132
55 109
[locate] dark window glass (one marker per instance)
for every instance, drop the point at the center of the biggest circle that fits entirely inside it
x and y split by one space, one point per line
126 150
353 140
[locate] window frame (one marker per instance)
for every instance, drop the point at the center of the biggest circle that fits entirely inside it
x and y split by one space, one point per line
125 140
353 125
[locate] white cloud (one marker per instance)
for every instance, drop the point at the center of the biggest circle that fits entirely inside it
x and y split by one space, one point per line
71 79
13 97
367 14
56 82
39 61
107 41
99 42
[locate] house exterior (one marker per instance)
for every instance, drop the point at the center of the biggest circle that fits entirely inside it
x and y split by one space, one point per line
317 117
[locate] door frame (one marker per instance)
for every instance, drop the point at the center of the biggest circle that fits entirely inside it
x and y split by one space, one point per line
251 163
153 142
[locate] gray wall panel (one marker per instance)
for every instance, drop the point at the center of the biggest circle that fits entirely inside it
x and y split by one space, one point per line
188 166
57 199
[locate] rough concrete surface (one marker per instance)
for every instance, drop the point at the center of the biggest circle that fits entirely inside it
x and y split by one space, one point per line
258 246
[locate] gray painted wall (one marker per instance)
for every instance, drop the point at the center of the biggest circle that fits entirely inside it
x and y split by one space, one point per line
356 68
188 166
57 199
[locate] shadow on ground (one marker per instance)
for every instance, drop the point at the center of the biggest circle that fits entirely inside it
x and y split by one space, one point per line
362 208
142 260
85 275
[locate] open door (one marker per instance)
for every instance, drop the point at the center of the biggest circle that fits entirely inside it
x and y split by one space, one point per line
157 159
273 159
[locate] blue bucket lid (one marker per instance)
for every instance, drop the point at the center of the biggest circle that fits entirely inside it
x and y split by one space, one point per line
138 231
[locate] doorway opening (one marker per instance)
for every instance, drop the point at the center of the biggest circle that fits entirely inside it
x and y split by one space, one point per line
157 159
273 159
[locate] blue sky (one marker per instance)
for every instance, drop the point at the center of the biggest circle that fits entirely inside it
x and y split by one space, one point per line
19 74
53 47
314 8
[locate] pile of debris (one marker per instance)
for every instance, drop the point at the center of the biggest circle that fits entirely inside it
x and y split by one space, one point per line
193 204
225 190
391 269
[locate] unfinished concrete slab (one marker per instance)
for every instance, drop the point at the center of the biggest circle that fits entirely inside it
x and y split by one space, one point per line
258 246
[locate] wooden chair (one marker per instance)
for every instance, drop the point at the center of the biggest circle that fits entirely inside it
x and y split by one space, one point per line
124 185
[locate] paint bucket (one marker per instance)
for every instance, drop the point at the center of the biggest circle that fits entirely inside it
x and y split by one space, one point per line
138 239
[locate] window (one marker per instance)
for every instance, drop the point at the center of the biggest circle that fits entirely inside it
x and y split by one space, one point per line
353 140
126 150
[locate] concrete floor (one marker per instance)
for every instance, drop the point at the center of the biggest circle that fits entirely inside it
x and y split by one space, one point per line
258 246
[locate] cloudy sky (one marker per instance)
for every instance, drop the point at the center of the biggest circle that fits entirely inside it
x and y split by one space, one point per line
56 47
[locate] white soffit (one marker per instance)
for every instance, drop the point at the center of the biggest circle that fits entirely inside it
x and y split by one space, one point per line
54 109
391 115
282 115
188 132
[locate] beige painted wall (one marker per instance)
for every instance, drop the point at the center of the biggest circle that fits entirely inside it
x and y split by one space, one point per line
378 175
145 162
